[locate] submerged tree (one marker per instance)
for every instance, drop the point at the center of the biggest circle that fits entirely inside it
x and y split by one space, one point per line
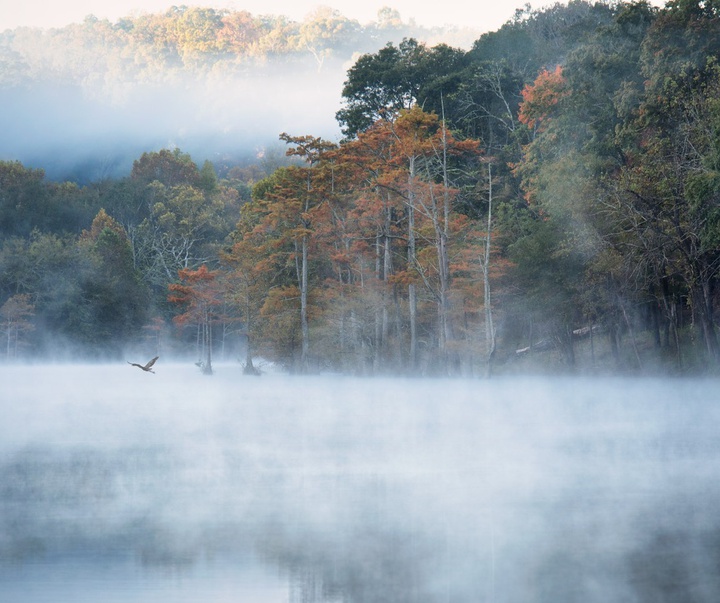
248 276
286 207
198 293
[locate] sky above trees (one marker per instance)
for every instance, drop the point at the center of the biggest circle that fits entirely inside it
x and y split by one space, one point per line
484 15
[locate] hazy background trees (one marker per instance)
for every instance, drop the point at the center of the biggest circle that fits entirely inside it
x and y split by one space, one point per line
84 101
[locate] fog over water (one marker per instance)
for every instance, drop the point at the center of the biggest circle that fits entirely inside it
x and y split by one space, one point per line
118 485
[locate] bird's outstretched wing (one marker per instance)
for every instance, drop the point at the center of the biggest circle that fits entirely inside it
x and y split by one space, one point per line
149 364
147 367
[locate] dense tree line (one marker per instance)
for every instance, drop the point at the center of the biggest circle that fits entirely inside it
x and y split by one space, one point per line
549 198
199 41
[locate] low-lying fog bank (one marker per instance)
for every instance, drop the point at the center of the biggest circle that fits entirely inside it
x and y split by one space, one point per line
513 490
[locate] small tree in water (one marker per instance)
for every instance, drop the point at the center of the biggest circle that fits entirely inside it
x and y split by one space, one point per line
198 293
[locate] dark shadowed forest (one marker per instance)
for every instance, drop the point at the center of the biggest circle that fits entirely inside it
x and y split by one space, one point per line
545 199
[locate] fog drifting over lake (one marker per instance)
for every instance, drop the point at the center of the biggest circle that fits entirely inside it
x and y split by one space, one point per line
182 487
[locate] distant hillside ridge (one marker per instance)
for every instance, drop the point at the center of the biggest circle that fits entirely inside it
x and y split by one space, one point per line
199 40
82 100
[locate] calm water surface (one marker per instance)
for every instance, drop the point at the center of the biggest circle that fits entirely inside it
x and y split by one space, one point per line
122 486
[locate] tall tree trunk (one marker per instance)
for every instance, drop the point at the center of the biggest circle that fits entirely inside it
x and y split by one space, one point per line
445 332
387 271
379 302
207 343
303 307
249 368
631 330
671 317
412 263
702 300
485 264
442 234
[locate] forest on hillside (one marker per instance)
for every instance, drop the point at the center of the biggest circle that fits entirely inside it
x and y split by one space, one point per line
548 200
83 101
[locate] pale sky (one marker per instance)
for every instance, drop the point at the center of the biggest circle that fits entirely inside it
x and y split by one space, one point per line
483 15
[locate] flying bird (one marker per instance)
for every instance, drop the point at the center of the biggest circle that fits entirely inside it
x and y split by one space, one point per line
147 367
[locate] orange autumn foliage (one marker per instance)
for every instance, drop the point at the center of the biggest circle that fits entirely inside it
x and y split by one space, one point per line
548 89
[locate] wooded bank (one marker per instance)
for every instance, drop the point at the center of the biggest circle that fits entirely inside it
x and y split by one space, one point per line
547 201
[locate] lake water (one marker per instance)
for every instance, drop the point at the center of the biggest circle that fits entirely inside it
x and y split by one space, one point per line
122 486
